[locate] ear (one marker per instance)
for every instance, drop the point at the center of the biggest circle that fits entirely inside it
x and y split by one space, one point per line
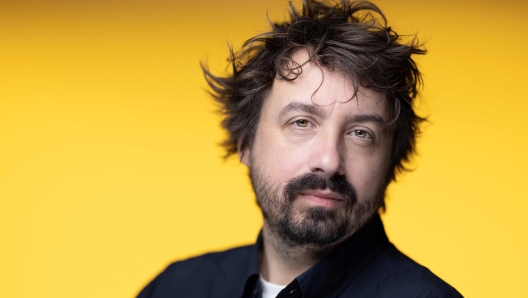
243 155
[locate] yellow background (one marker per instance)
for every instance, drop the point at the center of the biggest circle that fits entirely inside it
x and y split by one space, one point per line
110 168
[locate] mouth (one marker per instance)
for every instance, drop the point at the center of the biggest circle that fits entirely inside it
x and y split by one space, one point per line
322 198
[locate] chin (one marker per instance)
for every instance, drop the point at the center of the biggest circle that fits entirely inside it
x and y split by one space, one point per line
322 226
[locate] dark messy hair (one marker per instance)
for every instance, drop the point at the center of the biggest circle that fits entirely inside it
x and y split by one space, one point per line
352 37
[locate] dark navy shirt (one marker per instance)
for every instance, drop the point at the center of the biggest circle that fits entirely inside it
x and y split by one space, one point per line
366 265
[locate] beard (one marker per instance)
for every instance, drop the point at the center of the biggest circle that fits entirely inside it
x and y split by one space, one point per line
299 225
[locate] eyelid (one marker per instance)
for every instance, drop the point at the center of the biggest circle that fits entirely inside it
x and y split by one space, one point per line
307 119
370 134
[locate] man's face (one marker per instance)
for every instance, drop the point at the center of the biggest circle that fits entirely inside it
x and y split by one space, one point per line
320 158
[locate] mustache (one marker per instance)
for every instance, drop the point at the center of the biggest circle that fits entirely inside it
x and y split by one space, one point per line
311 181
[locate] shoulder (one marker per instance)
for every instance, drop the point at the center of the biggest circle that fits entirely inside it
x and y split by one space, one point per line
222 261
396 275
197 276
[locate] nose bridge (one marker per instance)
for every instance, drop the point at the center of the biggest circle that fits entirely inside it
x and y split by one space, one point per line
327 157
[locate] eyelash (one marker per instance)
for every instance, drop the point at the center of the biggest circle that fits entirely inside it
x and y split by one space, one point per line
367 136
309 124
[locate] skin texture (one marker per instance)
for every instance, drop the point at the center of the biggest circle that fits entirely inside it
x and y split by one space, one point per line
315 126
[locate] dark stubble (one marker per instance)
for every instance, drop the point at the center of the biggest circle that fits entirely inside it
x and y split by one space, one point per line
316 225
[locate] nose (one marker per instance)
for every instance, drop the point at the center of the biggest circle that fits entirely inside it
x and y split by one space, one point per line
326 155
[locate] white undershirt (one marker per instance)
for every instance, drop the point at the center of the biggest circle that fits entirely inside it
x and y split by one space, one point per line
270 290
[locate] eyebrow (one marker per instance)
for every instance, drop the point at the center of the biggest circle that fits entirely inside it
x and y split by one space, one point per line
297 106
318 111
374 118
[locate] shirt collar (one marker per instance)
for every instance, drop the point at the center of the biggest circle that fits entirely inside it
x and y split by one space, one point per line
330 276
250 287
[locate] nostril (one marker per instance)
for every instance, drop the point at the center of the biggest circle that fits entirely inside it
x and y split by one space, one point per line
329 164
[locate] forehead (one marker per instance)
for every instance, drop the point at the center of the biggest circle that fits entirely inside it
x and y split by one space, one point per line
329 90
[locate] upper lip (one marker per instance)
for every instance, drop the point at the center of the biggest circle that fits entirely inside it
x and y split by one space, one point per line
323 193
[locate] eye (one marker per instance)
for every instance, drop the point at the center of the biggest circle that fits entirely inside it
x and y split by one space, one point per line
302 123
362 134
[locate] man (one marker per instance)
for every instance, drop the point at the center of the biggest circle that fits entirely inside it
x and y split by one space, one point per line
320 110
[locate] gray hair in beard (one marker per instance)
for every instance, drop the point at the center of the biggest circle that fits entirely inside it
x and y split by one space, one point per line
317 226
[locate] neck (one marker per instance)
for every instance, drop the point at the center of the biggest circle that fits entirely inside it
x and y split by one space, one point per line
281 262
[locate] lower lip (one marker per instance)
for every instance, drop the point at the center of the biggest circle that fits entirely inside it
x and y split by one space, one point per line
321 201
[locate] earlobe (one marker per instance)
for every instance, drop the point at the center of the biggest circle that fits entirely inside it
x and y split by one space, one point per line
244 156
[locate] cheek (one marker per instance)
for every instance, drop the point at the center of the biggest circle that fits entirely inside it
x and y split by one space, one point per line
367 175
278 159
